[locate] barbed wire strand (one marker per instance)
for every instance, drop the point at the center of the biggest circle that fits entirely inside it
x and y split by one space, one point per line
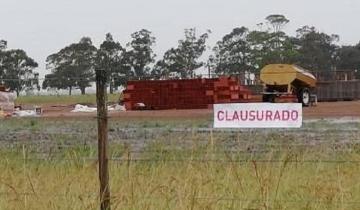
147 160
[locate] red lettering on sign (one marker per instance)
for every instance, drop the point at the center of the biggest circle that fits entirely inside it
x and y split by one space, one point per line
235 116
227 116
294 115
252 115
268 115
243 115
220 115
285 115
258 116
277 115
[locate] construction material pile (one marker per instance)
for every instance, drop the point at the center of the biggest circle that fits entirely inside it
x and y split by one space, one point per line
184 94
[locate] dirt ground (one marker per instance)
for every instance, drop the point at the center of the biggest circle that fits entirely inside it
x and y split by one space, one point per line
322 110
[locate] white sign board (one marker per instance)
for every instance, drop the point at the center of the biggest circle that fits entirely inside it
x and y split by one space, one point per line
258 115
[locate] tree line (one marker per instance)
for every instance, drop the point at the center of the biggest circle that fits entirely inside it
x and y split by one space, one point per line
238 51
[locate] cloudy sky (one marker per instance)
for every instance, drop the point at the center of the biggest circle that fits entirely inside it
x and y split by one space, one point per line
42 27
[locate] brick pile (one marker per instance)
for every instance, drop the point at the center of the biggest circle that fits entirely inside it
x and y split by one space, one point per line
184 94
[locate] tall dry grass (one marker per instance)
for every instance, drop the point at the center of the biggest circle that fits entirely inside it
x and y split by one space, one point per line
316 167
167 178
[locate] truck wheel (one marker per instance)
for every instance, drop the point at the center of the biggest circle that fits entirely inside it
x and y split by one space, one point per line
304 97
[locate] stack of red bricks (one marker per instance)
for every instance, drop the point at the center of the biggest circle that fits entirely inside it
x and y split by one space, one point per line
229 90
183 94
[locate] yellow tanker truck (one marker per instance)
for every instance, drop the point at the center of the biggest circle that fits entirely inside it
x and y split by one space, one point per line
286 80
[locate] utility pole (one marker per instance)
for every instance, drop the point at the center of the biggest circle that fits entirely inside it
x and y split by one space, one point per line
102 120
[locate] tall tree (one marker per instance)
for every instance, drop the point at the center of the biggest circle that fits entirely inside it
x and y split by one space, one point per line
17 71
141 54
232 53
184 59
162 68
267 47
349 58
72 66
317 50
243 50
261 45
111 57
172 62
3 44
277 22
272 45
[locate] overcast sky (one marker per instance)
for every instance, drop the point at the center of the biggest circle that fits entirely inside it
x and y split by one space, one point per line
42 27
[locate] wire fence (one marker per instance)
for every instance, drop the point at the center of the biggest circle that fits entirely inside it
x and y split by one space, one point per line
181 145
191 160
195 145
333 146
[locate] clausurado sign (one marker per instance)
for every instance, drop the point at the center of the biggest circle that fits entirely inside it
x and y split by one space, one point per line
258 115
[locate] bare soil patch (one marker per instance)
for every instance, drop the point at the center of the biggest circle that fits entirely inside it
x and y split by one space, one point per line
322 110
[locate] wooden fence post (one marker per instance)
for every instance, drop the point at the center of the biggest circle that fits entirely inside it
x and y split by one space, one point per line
102 120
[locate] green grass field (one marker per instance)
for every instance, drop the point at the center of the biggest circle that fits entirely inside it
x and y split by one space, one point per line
63 99
309 168
180 185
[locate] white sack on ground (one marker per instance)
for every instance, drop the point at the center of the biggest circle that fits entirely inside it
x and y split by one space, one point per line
25 113
116 107
83 108
140 104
